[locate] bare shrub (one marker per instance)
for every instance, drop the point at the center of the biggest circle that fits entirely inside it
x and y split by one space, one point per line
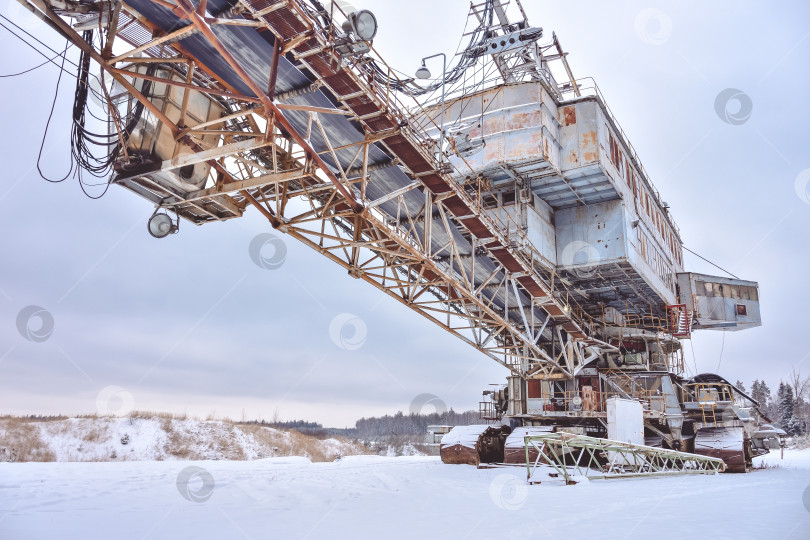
22 442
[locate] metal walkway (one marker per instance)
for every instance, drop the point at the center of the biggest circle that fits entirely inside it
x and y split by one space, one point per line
377 200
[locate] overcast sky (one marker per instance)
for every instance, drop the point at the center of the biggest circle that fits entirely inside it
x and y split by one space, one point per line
191 324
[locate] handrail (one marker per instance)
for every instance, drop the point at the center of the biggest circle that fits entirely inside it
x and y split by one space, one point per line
593 90
391 103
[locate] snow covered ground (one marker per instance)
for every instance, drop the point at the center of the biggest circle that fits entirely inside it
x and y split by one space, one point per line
390 497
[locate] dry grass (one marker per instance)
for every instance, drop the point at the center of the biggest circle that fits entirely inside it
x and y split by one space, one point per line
213 439
149 415
92 436
178 446
33 418
20 441
293 443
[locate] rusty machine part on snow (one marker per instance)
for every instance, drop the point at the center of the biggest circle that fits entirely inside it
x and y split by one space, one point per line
501 200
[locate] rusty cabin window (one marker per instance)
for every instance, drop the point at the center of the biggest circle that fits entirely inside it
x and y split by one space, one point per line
742 310
489 201
508 198
707 288
735 291
614 151
611 148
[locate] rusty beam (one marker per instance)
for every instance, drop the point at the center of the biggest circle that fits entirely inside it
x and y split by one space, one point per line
278 50
269 106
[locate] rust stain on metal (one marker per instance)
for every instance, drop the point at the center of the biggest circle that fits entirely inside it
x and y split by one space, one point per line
524 119
569 115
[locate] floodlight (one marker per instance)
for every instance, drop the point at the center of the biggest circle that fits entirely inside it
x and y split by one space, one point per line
161 225
364 24
423 72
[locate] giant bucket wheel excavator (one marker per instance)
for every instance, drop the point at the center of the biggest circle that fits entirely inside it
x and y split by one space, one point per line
500 199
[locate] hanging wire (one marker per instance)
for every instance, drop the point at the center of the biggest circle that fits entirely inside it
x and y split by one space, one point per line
723 346
48 123
710 262
467 58
91 152
30 69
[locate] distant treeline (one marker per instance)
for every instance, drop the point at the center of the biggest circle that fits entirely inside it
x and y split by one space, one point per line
313 429
385 427
382 428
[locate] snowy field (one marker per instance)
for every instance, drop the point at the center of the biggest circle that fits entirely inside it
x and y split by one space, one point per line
383 497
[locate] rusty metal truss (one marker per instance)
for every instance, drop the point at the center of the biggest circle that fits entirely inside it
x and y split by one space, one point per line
429 243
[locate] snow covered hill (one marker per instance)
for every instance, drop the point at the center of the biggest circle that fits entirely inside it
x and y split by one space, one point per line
153 437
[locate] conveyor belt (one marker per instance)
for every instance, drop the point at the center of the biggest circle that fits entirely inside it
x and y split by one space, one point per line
254 51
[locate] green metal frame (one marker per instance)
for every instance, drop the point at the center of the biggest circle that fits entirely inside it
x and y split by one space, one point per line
596 458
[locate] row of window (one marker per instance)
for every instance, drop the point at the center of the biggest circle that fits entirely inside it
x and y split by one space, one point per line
489 200
656 261
645 201
724 290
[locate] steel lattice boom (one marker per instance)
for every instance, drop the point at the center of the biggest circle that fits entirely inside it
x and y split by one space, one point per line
333 159
215 106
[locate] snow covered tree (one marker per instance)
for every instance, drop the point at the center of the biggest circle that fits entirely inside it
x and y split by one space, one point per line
801 391
740 386
761 393
787 418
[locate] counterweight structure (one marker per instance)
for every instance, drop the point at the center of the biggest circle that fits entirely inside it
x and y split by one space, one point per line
528 227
